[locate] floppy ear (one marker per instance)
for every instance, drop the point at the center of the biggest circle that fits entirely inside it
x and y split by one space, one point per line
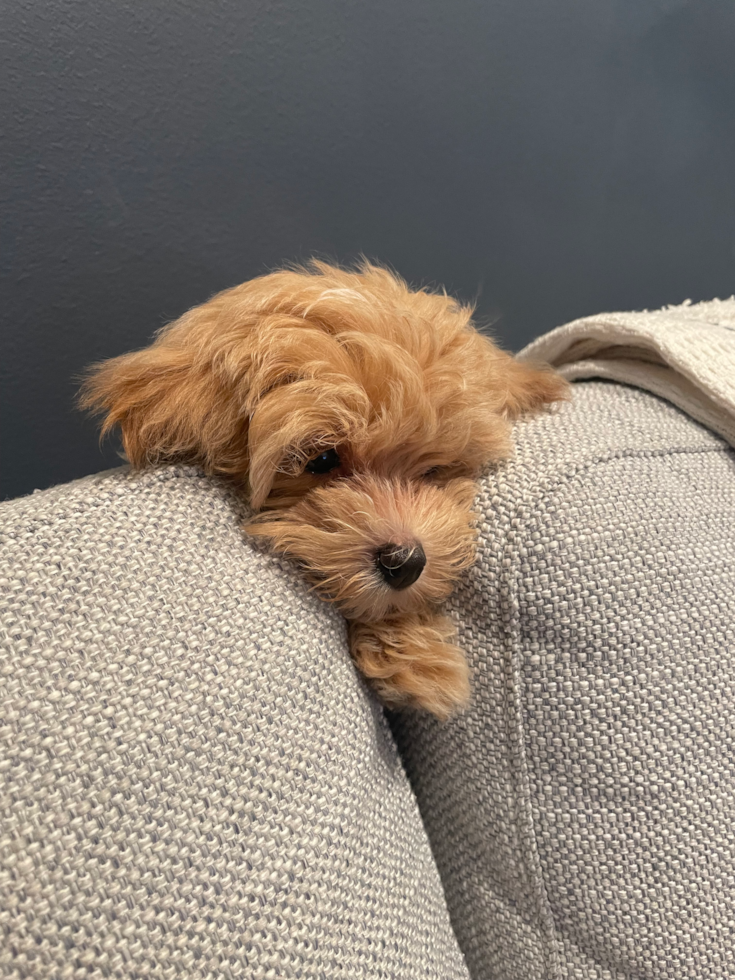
529 388
173 401
512 388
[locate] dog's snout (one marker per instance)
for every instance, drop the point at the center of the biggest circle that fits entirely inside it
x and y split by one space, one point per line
400 566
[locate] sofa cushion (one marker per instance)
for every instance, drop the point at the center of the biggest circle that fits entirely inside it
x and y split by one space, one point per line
194 780
581 811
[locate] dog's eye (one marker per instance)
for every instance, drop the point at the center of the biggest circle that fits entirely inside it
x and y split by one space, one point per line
324 463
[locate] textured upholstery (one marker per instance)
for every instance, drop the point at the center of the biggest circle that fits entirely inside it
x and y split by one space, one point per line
582 811
194 782
197 784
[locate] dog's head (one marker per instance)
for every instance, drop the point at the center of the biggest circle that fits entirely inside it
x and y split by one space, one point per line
356 411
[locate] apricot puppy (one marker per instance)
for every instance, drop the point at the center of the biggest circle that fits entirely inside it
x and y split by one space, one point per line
357 414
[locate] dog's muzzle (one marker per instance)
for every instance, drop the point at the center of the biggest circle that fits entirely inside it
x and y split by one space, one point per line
400 566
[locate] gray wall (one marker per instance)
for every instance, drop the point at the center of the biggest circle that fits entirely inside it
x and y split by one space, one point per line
554 157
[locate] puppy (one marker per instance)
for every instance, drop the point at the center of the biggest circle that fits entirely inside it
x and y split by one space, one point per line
356 414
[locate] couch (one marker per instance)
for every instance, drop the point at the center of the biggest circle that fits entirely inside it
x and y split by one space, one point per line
196 783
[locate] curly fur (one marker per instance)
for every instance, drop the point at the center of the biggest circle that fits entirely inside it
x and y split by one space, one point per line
267 375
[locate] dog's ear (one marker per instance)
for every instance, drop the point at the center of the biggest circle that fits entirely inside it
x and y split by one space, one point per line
173 400
512 388
528 388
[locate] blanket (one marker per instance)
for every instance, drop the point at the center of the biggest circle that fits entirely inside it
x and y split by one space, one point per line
685 354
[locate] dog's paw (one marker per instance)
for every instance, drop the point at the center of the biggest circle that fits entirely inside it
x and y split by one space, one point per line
411 661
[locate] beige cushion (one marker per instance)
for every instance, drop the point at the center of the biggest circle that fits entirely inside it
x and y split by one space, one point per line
194 780
581 812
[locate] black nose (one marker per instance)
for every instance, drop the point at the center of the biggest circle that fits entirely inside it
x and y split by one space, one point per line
400 566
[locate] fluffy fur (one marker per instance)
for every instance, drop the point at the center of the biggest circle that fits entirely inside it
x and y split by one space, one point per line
396 386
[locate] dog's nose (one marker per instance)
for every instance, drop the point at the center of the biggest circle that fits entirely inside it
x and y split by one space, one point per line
400 566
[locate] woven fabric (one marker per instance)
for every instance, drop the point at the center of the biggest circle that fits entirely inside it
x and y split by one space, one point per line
194 781
581 811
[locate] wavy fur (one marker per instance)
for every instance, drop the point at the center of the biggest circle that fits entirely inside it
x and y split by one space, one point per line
269 374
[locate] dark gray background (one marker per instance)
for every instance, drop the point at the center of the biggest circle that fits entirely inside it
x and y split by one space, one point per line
552 157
